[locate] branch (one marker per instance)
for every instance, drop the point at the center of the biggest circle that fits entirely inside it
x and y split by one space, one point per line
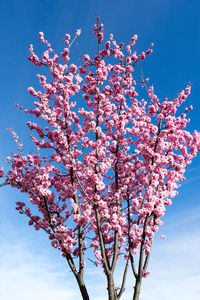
122 289
133 265
80 229
101 240
146 262
105 259
143 82
82 189
142 247
129 240
114 261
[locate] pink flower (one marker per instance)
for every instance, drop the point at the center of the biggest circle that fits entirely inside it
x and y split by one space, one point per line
68 37
145 275
1 172
41 36
78 32
109 163
163 237
73 68
82 70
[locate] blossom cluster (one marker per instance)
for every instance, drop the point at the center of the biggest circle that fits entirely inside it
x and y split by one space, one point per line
107 160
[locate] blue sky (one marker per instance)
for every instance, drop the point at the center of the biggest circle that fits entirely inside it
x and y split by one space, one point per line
28 263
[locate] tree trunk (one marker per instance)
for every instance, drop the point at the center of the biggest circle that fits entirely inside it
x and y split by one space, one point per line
82 288
111 288
137 288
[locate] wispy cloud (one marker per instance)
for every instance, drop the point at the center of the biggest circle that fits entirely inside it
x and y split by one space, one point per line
175 270
25 274
175 275
180 220
31 270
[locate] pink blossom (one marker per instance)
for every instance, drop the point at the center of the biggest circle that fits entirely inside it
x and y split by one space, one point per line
78 32
163 237
146 274
68 37
107 160
1 172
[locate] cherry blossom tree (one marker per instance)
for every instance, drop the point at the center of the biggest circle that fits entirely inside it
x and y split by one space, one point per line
107 161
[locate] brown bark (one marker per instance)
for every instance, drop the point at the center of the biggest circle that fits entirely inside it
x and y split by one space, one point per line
82 288
137 288
111 288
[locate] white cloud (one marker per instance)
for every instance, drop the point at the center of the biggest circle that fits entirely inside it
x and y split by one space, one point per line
25 274
175 269
174 265
29 269
181 221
